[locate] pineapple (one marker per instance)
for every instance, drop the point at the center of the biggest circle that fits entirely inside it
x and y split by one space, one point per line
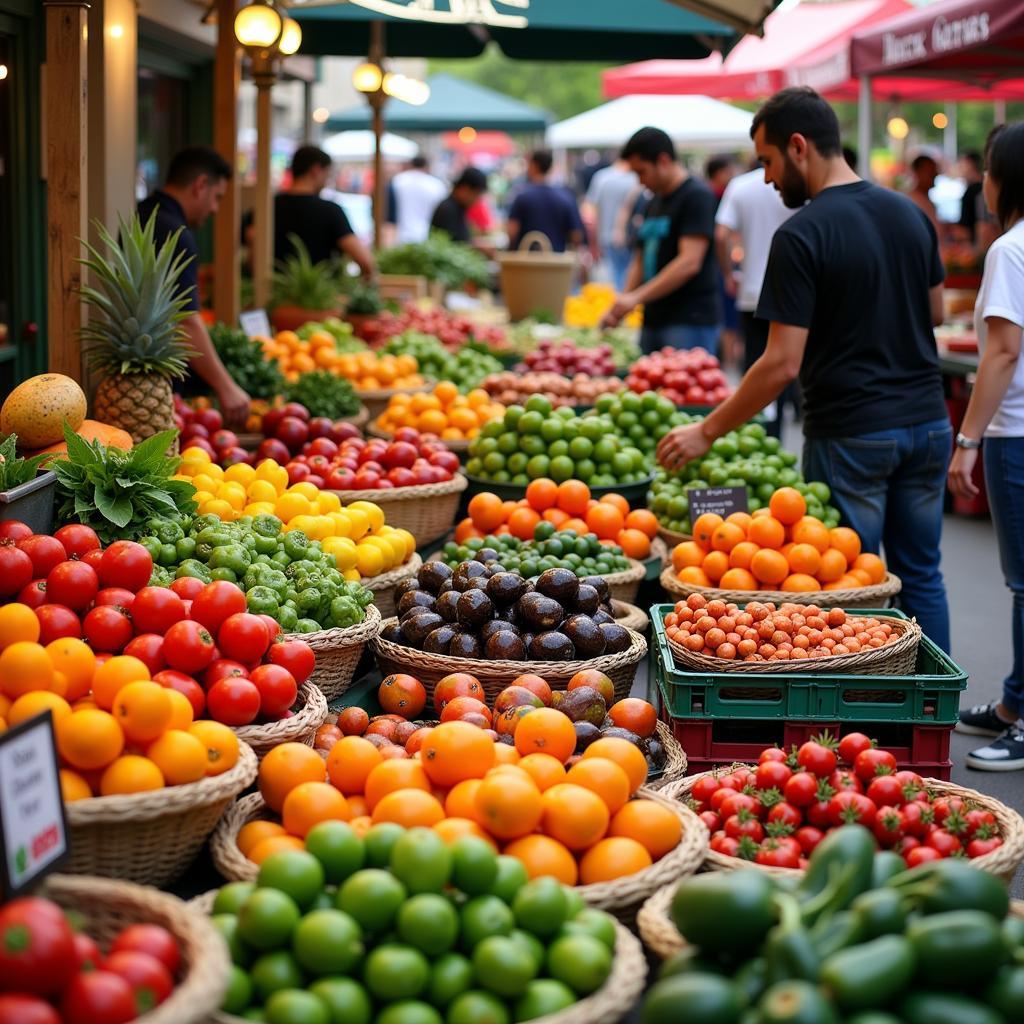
134 335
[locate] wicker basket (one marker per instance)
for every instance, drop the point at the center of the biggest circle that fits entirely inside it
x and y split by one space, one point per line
874 596
152 837
383 586
427 511
376 401
660 549
671 538
227 857
107 907
338 652
625 585
675 760
300 728
630 616
496 675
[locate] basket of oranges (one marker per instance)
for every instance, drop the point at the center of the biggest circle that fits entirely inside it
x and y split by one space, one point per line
377 378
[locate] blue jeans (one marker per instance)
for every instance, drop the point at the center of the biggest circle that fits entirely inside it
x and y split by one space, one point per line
889 486
619 259
1004 479
680 336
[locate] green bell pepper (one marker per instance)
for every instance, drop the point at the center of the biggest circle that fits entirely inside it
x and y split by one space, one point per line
834 933
345 612
288 618
224 574
168 555
216 536
230 556
153 546
185 548
946 1008
262 601
952 884
307 626
789 951
868 976
264 545
958 949
309 599
796 1002
725 912
281 559
296 544
194 568
267 526
881 912
887 865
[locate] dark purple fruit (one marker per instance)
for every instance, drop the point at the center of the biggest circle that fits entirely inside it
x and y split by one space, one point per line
561 584
432 574
437 641
624 734
539 611
415 599
600 584
488 629
552 646
446 603
505 646
392 632
587 599
416 628
616 637
586 733
585 634
467 571
505 588
474 609
403 587
477 583
656 752
465 645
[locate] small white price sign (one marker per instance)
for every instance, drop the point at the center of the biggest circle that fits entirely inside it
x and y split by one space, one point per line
255 323
33 829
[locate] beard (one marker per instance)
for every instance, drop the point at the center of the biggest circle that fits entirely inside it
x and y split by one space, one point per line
792 188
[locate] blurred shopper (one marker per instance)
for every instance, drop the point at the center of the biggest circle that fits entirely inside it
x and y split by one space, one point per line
972 202
451 214
609 190
718 172
196 182
416 195
853 289
996 413
544 207
751 210
673 270
924 169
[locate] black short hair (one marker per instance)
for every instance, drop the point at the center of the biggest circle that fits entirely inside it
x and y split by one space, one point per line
648 144
306 158
850 156
542 160
1004 155
193 161
799 109
716 164
973 157
472 177
921 159
418 161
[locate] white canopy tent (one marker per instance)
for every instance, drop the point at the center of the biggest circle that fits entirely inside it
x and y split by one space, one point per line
356 146
693 122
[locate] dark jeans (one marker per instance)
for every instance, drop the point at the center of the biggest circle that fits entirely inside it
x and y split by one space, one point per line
755 341
889 486
680 336
1004 478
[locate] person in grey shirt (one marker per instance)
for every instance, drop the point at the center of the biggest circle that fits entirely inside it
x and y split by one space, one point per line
609 190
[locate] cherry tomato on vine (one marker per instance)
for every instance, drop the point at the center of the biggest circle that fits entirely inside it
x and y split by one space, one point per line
801 789
874 762
816 758
772 774
852 744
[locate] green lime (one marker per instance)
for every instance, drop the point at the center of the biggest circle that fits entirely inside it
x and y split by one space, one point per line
580 961
604 449
532 444
294 872
585 469
512 415
543 996
429 923
594 430
567 413
474 864
538 467
484 916
267 919
531 944
327 942
593 922
337 847
503 965
561 468
574 902
551 429
541 906
450 976
421 860
273 972
346 1000
372 897
530 422
394 972
294 1006
820 491
409 1011
230 897
511 878
538 403
558 448
227 925
254 1013
508 442
239 991
542 531
476 1007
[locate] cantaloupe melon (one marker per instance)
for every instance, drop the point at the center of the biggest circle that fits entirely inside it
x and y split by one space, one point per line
36 410
92 430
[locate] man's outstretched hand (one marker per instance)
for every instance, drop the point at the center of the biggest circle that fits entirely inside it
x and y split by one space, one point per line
681 445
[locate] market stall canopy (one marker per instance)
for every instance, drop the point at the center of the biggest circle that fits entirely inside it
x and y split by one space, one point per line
468 143
358 146
696 122
454 103
757 66
563 30
743 15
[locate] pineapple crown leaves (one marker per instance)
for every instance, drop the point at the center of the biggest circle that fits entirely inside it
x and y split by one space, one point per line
298 281
138 326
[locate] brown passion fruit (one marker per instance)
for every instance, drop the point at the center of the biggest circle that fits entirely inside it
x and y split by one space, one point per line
474 609
432 574
552 646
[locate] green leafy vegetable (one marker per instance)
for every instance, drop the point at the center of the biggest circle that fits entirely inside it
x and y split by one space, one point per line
363 299
324 394
15 471
116 492
437 259
298 281
244 360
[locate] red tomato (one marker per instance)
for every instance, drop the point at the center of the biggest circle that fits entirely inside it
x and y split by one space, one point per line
734 803
298 657
840 780
15 569
107 629
34 594
801 789
185 685
980 847
243 637
721 843
945 842
115 597
20 1009
216 602
93 559
87 954
78 540
188 588
46 553
852 744
277 687
776 854
149 649
744 824
224 668
126 564
98 997
947 805
848 808
912 779
156 609
921 855
980 819
916 819
787 814
772 775
153 939
712 820
233 701
56 621
772 754
37 947
905 845
72 584
703 789
808 837
150 980
888 827
885 789
816 758
874 762
188 647
273 626
12 530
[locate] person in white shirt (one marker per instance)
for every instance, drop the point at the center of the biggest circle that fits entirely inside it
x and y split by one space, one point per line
996 413
751 209
416 194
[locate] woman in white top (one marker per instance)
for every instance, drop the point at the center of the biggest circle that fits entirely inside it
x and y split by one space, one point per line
996 413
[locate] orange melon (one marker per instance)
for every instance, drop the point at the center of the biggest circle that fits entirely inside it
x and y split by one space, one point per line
37 408
93 430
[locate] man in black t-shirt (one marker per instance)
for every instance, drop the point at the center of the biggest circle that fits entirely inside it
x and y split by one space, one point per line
673 272
450 214
852 291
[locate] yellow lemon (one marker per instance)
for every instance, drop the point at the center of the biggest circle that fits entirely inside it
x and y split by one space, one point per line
262 490
374 513
327 502
270 471
204 482
381 544
305 523
259 508
397 545
360 521
410 542
233 494
309 491
369 560
344 551
202 497
342 524
290 505
352 575
240 472
222 508
195 457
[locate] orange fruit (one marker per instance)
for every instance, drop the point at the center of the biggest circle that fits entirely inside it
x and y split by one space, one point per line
220 744
18 622
574 524
25 666
787 505
542 855
862 577
654 826
613 858
508 804
179 755
143 710
357 805
695 576
804 558
603 777
843 539
89 739
450 829
546 731
461 799
556 516
75 660
113 674
522 522
73 786
309 803
634 714
605 520
769 566
285 767
715 564
740 556
487 511
705 526
28 705
618 500
130 774
542 494
573 496
408 808
800 582
545 770
727 536
575 816
455 751
181 710
872 565
624 754
833 565
274 844
738 579
254 832
634 543
350 762
687 553
766 532
465 530
505 753
741 519
393 775
641 519
810 530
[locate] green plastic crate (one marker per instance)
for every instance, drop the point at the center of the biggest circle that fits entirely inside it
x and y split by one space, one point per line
931 695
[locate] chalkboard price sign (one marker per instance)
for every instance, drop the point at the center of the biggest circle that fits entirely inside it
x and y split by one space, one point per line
721 500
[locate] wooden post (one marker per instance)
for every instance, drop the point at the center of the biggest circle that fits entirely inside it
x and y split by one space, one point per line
377 101
65 119
263 211
227 225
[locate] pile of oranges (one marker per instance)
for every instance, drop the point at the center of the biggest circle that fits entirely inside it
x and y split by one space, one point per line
582 824
296 356
453 417
566 506
117 731
778 547
371 372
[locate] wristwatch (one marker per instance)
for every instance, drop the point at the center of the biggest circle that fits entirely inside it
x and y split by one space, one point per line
963 441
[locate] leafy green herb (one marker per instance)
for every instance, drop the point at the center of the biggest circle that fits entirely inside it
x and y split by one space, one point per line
298 281
324 394
15 471
244 360
363 299
116 492
437 259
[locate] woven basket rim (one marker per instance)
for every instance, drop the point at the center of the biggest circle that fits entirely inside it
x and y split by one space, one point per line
630 615
387 579
654 923
227 857
457 484
343 636
676 760
309 717
169 800
375 394
672 538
